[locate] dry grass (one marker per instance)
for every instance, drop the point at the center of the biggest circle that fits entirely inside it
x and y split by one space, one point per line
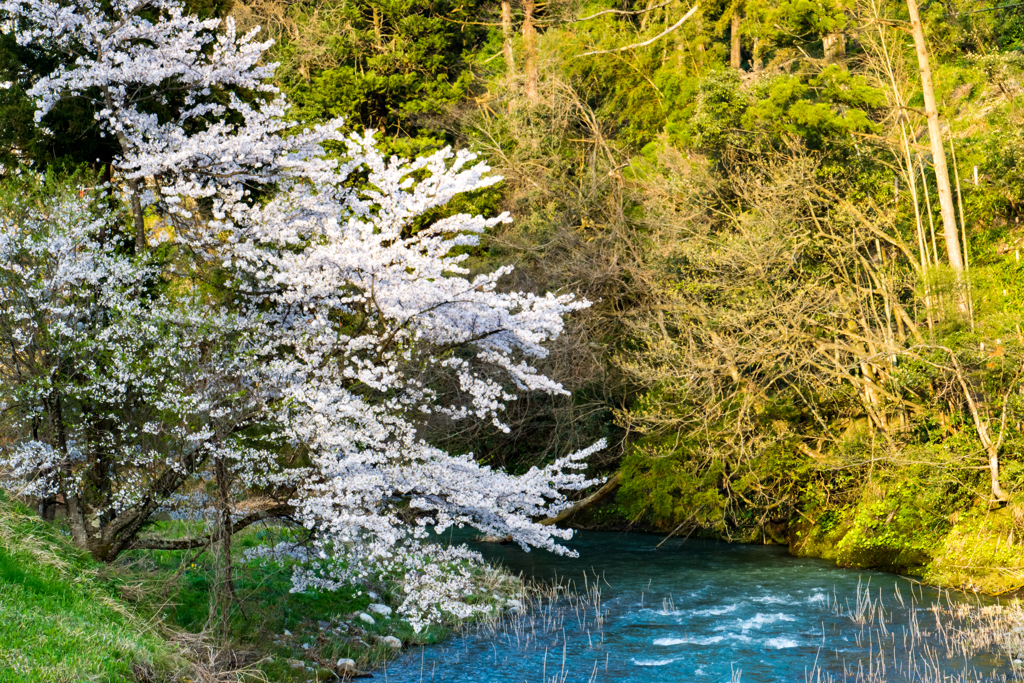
946 642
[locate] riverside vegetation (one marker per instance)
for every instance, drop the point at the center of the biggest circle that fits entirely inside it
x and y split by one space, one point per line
797 226
804 256
808 303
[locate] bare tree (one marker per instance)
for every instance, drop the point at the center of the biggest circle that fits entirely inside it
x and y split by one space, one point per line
781 295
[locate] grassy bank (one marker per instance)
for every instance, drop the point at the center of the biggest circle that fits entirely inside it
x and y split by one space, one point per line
147 618
62 617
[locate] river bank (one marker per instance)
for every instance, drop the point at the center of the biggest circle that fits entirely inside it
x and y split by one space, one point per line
682 608
976 548
151 617
977 552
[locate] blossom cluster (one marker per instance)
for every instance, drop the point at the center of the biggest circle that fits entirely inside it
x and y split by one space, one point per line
342 310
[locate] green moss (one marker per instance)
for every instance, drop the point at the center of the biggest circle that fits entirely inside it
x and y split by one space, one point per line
894 527
912 527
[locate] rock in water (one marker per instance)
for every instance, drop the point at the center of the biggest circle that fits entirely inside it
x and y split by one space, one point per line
346 668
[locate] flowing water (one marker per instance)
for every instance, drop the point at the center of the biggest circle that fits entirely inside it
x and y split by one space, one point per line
701 611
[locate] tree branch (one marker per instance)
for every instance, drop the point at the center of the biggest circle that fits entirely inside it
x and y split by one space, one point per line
189 543
671 28
622 11
608 487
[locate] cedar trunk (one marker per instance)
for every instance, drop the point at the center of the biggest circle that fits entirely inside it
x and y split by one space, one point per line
506 30
835 46
734 40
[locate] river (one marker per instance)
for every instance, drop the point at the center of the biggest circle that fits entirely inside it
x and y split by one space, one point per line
695 610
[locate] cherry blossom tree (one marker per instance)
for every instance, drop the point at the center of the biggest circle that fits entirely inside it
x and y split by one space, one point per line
282 327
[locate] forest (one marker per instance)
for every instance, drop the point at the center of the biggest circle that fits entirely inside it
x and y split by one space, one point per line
290 289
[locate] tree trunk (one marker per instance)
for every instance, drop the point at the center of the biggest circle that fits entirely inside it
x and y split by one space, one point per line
734 39
137 216
835 46
506 30
598 495
47 508
223 597
133 185
530 45
983 428
949 227
998 494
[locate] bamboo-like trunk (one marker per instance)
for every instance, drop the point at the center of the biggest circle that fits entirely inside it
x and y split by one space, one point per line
734 39
931 219
963 233
530 46
506 31
949 226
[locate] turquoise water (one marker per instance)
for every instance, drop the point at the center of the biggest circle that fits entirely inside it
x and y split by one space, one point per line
698 611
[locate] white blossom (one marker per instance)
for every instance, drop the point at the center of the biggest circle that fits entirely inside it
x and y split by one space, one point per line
345 306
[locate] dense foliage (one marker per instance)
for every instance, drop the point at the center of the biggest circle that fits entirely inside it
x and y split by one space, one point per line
748 194
781 343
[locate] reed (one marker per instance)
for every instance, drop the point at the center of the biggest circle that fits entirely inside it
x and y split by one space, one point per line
900 637
947 641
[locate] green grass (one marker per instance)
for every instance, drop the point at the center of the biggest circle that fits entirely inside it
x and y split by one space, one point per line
60 619
180 584
270 623
64 617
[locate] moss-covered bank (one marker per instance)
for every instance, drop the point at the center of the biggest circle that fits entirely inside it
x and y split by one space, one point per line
891 524
978 549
